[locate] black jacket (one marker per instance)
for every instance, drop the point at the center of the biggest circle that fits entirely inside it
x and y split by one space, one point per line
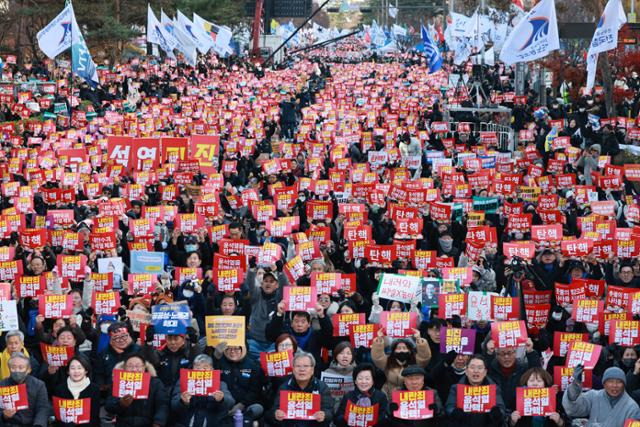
377 397
142 412
315 386
171 363
200 408
509 384
37 414
107 361
458 418
438 413
243 378
313 343
92 392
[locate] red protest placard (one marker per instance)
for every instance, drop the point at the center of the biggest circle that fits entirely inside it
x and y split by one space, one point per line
476 399
326 283
343 321
524 250
625 333
134 384
55 355
450 305
30 286
199 383
512 333
546 233
105 302
561 341
294 268
629 422
72 411
563 377
277 363
380 255
587 311
299 298
363 335
505 308
618 296
55 306
413 405
142 283
532 402
14 397
71 266
298 405
537 316
398 324
361 416
576 247
593 288
583 353
229 280
567 294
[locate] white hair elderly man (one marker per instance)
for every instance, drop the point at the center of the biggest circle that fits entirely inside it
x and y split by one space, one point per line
37 413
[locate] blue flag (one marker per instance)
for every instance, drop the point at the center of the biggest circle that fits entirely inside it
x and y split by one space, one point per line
431 51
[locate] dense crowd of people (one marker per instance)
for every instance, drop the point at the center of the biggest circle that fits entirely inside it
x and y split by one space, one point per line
339 185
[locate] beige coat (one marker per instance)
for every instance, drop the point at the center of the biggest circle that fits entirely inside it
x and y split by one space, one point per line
394 380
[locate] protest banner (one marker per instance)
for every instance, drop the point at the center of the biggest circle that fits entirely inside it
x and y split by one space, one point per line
512 333
105 302
298 405
343 321
171 319
8 315
561 341
229 329
55 306
535 402
142 283
587 310
277 364
563 376
126 383
72 411
147 262
583 353
399 288
199 383
363 416
413 405
54 355
479 305
476 399
30 286
505 308
625 333
458 340
102 282
229 280
14 397
339 385
398 324
138 317
363 335
450 305
299 298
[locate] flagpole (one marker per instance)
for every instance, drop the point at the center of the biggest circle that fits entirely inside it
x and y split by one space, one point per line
68 2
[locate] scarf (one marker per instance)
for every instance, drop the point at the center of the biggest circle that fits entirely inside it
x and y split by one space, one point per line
77 387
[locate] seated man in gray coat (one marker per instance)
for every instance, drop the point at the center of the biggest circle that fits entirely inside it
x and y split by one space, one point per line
609 407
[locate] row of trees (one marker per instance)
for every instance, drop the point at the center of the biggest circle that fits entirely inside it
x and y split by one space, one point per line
108 25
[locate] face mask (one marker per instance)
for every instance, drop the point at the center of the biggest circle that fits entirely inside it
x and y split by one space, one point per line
190 248
19 377
187 293
302 198
446 244
557 316
628 363
591 327
402 356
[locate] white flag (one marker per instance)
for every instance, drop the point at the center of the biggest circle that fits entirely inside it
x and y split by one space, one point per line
55 38
393 11
185 45
605 37
220 35
202 42
157 34
534 37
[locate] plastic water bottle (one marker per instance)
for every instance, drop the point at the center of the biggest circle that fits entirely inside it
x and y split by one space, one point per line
238 418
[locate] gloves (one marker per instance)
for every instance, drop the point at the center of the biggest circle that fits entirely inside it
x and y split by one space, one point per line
577 373
149 333
496 415
450 357
219 350
252 262
375 299
279 265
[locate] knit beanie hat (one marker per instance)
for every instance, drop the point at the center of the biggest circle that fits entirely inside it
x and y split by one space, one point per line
614 373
